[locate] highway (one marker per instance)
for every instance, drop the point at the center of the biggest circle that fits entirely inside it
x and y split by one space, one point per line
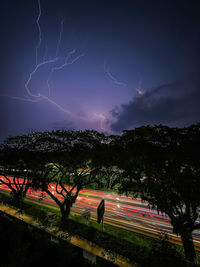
120 211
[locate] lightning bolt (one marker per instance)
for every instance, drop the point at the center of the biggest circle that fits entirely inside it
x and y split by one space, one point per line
139 88
66 63
140 92
40 34
57 105
45 53
21 98
60 37
39 97
102 120
111 77
61 63
34 71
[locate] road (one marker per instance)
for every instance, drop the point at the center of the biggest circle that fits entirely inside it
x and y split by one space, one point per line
121 211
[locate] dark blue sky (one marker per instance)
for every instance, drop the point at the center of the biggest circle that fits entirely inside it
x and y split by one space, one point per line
105 65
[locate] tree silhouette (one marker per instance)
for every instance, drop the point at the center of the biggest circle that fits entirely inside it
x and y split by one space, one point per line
162 165
70 164
21 166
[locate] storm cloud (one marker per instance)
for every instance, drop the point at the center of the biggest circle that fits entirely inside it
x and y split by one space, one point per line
172 104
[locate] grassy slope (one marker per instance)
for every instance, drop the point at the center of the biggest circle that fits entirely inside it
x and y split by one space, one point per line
143 250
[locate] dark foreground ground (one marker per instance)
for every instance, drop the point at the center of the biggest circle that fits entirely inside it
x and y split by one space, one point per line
23 246
20 246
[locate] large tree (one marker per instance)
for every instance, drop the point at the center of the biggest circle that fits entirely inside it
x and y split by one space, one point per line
70 162
162 165
20 167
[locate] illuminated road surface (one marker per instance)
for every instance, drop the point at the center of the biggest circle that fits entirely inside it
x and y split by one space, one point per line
121 211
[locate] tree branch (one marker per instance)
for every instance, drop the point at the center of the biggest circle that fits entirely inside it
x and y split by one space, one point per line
53 197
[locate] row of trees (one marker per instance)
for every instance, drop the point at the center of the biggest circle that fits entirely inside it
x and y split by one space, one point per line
159 164
38 159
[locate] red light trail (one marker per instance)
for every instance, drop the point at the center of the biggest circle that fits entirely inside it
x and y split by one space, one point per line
121 211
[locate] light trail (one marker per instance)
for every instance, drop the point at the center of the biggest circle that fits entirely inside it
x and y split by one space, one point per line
132 215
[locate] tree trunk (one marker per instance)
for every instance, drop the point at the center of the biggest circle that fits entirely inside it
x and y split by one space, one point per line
65 211
188 245
18 198
110 183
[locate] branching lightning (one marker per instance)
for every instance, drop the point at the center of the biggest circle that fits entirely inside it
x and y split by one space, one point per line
57 105
32 97
56 63
34 71
65 64
111 77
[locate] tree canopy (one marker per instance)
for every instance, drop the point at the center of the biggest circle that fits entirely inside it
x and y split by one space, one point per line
157 163
162 165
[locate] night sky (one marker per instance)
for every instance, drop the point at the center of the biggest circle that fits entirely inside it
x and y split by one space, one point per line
93 64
